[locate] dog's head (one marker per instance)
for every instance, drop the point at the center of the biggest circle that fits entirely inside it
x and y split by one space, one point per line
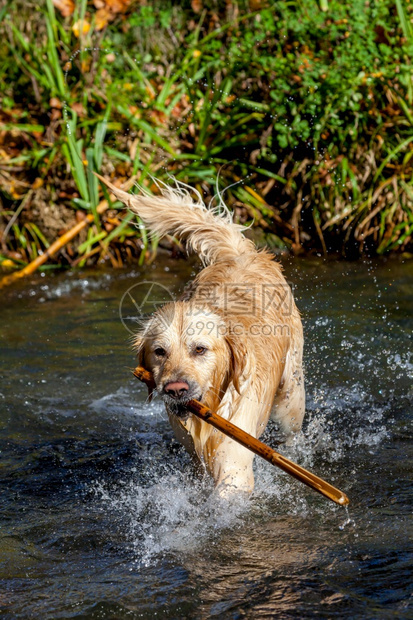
191 354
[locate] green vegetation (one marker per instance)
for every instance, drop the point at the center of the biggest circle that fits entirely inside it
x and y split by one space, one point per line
303 107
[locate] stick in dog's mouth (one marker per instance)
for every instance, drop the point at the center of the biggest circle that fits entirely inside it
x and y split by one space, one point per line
253 444
176 396
179 409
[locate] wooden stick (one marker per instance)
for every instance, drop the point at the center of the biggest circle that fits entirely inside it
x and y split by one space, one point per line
253 444
55 247
63 240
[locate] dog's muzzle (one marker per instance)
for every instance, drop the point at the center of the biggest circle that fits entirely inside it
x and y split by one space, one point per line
177 389
176 394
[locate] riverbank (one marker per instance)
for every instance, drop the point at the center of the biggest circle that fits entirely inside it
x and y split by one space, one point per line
304 113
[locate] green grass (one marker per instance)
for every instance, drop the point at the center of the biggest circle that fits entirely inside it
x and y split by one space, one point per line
309 104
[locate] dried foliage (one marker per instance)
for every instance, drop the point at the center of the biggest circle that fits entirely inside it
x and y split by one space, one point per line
308 105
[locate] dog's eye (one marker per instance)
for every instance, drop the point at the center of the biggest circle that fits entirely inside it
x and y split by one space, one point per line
160 352
200 350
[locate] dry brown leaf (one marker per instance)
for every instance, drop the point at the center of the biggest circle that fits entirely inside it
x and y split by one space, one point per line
79 109
107 11
103 17
38 182
117 6
256 5
66 7
54 102
197 6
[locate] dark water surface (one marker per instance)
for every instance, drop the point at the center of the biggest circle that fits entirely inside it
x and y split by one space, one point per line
101 516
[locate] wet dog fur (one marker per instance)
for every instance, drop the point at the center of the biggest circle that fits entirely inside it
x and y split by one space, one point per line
234 341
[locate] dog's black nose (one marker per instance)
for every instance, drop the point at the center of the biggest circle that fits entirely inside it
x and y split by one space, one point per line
176 389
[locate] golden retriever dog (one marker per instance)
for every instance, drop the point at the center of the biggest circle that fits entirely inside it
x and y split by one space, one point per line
234 341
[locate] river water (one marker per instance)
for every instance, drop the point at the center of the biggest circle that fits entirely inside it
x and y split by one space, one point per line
101 514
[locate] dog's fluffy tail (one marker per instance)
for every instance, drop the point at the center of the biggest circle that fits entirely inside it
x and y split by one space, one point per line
210 233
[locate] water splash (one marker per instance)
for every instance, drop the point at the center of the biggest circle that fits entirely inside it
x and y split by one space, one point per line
348 522
176 513
164 508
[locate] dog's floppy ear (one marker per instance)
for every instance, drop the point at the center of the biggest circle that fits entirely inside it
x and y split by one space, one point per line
139 346
237 359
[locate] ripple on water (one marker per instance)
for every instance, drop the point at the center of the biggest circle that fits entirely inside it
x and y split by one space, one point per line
103 515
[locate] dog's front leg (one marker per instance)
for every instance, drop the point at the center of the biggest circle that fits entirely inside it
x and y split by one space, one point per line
229 463
231 468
